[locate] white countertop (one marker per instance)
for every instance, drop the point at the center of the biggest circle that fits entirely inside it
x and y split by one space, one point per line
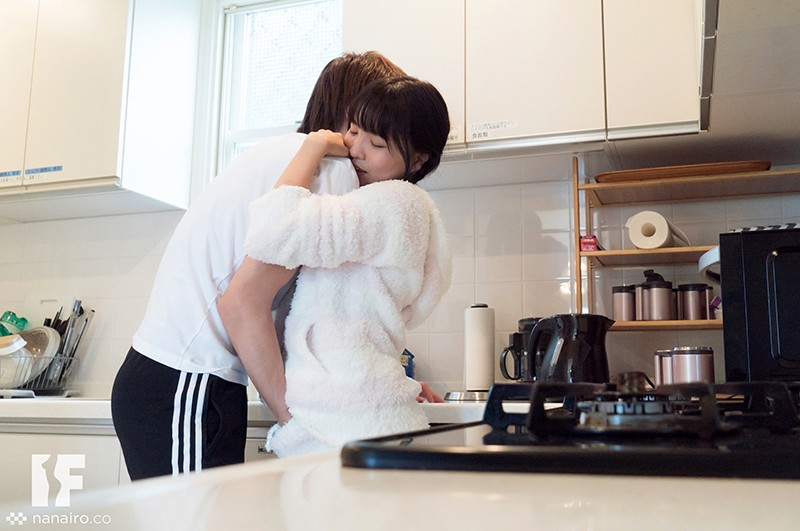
98 411
317 493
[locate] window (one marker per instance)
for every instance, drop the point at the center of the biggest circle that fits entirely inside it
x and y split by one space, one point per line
274 52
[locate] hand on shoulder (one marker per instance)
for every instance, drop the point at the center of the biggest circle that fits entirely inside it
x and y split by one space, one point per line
325 142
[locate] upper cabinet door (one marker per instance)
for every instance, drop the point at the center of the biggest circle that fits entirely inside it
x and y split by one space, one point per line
423 37
534 70
76 103
652 67
17 36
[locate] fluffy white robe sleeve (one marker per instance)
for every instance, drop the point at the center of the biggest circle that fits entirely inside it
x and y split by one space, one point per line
386 224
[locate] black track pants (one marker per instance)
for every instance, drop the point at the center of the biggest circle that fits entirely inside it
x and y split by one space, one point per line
171 422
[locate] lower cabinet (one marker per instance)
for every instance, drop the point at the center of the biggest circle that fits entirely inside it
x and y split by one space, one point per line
254 447
38 459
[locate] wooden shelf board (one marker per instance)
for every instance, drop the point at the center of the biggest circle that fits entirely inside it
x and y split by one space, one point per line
693 188
642 326
634 257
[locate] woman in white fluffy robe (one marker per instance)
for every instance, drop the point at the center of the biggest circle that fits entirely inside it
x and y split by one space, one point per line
374 262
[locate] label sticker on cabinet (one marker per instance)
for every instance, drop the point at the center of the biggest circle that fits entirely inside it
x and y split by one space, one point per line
484 130
10 177
37 173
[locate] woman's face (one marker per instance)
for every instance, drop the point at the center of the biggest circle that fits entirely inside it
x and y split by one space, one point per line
376 159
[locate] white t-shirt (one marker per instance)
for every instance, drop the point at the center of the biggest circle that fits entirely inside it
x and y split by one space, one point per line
182 328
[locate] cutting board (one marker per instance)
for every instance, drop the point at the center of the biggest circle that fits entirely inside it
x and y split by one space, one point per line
688 170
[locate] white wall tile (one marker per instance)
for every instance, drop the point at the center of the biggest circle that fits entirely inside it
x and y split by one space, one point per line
505 298
463 253
543 298
753 209
448 316
457 208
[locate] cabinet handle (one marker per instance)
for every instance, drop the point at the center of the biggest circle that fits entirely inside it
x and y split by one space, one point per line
262 450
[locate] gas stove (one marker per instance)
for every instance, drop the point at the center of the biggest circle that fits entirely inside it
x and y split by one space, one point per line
745 429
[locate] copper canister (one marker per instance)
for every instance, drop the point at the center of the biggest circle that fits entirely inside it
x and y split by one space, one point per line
663 366
692 364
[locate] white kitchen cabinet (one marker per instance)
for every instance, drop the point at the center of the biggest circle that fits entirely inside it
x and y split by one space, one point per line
101 461
652 55
524 73
111 87
534 70
424 38
254 446
17 34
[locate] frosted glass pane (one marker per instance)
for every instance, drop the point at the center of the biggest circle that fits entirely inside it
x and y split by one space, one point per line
283 51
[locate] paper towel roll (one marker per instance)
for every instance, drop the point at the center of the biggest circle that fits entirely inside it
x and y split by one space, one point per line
651 230
478 347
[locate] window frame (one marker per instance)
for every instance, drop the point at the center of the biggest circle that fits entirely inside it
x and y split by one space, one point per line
214 149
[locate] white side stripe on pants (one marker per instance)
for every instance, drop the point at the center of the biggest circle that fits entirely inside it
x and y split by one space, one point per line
198 423
185 415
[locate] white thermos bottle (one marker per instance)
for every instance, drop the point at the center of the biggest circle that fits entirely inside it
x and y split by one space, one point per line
478 347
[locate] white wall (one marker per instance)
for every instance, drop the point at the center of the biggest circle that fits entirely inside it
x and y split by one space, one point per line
107 262
511 246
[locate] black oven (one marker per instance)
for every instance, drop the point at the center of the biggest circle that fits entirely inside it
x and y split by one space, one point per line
760 277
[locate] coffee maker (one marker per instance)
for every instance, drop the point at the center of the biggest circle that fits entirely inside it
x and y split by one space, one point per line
523 365
560 348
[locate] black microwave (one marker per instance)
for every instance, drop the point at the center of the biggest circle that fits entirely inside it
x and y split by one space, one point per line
760 281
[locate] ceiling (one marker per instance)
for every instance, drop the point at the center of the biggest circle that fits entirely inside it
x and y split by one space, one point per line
755 96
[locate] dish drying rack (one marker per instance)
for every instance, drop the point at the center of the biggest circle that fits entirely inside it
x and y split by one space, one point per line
51 374
47 375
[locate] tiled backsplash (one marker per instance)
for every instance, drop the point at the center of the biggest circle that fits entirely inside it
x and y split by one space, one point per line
511 249
108 263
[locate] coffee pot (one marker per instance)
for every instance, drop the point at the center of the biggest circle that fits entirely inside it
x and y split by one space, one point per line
574 348
524 365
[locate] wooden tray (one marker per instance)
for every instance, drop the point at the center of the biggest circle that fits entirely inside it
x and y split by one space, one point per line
689 170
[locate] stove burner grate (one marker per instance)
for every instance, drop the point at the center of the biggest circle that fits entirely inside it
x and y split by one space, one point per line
591 410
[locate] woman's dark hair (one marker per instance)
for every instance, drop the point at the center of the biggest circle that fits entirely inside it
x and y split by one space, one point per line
338 84
407 112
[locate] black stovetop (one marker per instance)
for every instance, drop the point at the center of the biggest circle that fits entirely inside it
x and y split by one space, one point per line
748 430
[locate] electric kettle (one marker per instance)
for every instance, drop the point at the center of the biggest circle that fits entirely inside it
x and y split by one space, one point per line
574 348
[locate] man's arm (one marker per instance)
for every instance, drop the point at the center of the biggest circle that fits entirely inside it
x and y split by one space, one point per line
245 309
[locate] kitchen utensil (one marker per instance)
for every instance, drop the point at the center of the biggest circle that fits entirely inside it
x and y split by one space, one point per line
42 343
663 366
658 297
525 364
692 364
574 348
623 302
15 362
516 349
55 370
13 323
69 358
693 301
688 170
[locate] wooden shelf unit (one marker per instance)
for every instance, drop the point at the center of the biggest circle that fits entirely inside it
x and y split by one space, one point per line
635 257
692 188
664 190
641 326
